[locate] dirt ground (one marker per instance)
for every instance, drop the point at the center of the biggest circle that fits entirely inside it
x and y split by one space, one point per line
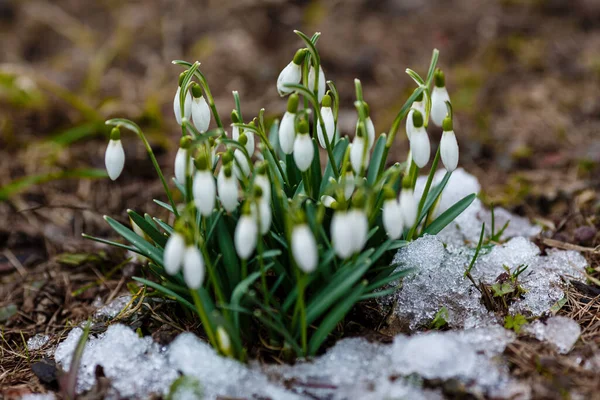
523 75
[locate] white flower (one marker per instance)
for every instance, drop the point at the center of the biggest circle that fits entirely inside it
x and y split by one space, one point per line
328 120
173 254
193 267
241 165
370 131
180 162
356 154
235 135
200 114
177 106
227 188
322 83
349 185
304 151
263 217
419 146
342 234
408 206
439 97
449 150
262 181
410 127
304 248
114 158
359 228
328 201
392 218
224 341
292 73
287 132
245 237
205 191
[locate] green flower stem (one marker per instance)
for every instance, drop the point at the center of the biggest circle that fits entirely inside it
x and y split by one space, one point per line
434 165
413 174
307 184
212 274
301 283
204 319
209 98
244 268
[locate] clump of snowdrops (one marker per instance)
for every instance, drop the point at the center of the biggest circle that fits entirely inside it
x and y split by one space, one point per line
266 246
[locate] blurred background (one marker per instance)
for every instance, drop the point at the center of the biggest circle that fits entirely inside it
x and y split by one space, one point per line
523 76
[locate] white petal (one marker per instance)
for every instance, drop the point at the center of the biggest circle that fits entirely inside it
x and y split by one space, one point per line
409 207
114 159
228 191
265 214
410 127
329 122
187 105
287 133
200 114
327 201
173 255
193 267
262 181
292 73
360 229
241 166
304 248
224 341
449 150
180 162
370 131
350 185
245 237
341 235
392 218
439 96
304 152
419 146
356 155
205 191
250 143
322 83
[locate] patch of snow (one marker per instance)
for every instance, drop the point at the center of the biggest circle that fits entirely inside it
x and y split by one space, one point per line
562 332
37 342
38 396
112 309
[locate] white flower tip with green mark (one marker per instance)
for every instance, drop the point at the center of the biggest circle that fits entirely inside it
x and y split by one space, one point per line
329 122
114 159
304 248
200 114
449 150
349 185
173 254
245 236
177 106
291 74
193 267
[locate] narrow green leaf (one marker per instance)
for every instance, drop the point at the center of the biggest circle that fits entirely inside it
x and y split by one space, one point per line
164 205
376 159
390 278
168 228
338 153
148 229
449 215
111 243
433 195
166 291
145 248
230 258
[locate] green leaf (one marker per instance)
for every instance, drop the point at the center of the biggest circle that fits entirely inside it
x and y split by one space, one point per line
315 171
310 45
335 315
338 153
164 205
376 159
433 195
240 290
166 291
168 228
148 229
111 243
145 248
230 258
449 215
416 77
390 278
432 65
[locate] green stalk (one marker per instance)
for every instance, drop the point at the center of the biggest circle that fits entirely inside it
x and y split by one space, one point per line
302 307
204 319
244 268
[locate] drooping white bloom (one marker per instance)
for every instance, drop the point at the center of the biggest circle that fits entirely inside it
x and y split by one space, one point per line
327 115
304 248
419 106
227 188
322 83
262 181
181 159
392 218
420 147
193 267
370 131
449 150
328 201
235 135
304 151
177 106
349 184
287 132
173 254
439 97
224 341
263 215
246 236
408 206
200 114
357 152
114 159
241 165
205 191
359 227
342 234
292 73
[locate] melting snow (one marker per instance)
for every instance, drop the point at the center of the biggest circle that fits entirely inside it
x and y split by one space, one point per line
37 342
562 332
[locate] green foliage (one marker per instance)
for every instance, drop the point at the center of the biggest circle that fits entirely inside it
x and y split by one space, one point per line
515 322
440 320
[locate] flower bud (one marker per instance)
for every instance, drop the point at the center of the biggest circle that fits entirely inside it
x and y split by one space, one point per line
439 97
114 157
177 106
349 184
241 166
304 248
173 254
359 227
227 188
419 141
392 214
224 342
304 151
328 121
449 147
321 84
419 105
200 113
342 234
328 201
193 267
183 159
408 206
291 74
246 236
358 153
205 191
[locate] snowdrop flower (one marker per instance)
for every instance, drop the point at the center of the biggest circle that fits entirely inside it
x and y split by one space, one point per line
392 214
342 234
261 211
235 133
328 121
408 206
242 166
183 158
419 141
227 185
193 267
439 97
328 201
370 128
349 184
187 107
173 254
449 146
291 74
418 105
246 234
200 109
304 248
114 157
224 341
287 129
304 151
261 180
359 228
321 84
359 152
204 187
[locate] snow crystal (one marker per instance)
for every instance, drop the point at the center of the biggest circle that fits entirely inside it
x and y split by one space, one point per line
112 309
562 332
37 342
38 396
